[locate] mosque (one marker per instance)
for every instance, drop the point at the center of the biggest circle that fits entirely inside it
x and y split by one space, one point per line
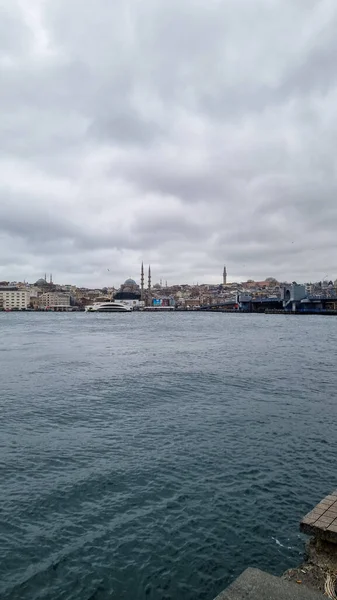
44 284
132 294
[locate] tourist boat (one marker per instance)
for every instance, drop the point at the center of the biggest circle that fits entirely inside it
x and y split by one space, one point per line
108 306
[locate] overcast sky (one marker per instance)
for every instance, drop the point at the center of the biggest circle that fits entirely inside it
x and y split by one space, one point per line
185 133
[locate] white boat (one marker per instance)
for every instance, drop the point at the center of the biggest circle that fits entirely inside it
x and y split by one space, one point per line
109 306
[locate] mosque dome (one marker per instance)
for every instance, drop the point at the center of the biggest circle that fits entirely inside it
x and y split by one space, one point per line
40 282
129 290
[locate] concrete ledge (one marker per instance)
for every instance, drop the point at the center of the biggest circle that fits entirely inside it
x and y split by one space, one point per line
254 584
322 520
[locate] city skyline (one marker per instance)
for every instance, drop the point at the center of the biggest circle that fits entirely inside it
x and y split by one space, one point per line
145 282
248 296
168 132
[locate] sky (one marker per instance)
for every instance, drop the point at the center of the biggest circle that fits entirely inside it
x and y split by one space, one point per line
185 133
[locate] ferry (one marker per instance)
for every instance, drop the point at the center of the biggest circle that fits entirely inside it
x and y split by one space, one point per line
108 306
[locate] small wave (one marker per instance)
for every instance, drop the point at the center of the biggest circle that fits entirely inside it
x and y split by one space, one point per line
278 543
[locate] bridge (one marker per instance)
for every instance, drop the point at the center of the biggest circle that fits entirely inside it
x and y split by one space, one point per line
256 305
308 304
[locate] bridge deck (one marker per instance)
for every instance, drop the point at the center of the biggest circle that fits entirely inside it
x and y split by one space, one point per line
322 520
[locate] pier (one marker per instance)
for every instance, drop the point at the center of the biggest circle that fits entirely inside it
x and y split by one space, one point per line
322 520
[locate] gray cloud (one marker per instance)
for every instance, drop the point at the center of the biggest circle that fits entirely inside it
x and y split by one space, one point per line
15 36
124 129
190 134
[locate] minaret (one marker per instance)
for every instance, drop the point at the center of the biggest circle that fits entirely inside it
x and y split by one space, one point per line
149 280
148 295
224 277
51 278
142 282
45 277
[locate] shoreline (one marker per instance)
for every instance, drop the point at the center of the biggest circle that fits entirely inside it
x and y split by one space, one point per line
184 310
315 577
320 560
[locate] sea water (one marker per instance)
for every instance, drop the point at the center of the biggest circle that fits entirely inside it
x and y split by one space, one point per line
158 455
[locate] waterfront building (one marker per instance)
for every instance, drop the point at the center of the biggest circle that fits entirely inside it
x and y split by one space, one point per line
34 294
12 298
164 302
54 300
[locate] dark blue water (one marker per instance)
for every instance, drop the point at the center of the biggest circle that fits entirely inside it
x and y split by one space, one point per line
157 455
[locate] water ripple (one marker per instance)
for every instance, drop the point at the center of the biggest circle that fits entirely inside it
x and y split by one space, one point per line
155 457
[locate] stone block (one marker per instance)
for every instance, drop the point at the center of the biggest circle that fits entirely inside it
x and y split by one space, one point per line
254 584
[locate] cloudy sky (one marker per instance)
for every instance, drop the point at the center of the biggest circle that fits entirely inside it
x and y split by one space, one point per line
185 133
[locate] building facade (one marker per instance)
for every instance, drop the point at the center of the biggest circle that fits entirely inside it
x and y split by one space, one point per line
14 299
129 294
54 300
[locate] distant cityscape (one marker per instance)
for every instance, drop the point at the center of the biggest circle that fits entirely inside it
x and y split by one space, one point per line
259 296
